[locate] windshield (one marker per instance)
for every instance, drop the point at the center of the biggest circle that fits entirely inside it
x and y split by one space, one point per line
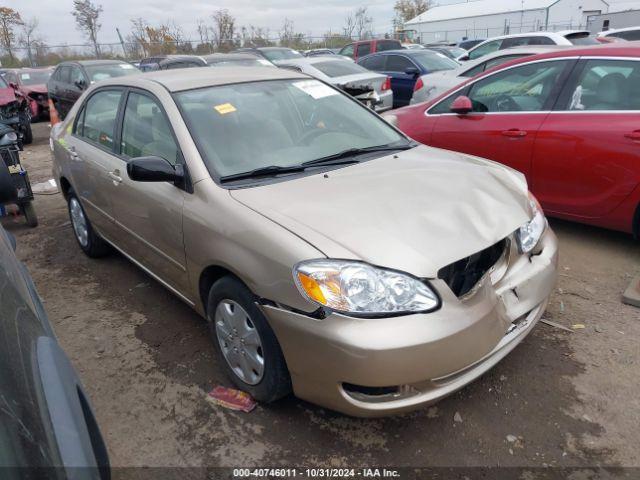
582 38
242 127
102 72
35 77
339 68
281 54
434 62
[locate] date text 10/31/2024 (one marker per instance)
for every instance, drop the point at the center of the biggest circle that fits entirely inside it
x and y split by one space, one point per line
315 473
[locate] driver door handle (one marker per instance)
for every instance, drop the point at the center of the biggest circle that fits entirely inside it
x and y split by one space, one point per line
73 154
514 133
115 176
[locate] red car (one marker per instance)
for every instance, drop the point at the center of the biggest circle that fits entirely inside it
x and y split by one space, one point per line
359 49
569 120
32 84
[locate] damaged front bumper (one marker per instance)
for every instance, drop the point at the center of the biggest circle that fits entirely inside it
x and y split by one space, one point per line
376 367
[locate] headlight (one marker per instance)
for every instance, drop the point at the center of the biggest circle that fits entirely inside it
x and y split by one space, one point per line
529 234
361 289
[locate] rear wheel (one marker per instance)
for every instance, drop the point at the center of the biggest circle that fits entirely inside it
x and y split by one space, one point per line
90 242
249 350
29 214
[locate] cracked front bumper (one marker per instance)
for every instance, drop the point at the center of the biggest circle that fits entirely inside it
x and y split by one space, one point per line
426 356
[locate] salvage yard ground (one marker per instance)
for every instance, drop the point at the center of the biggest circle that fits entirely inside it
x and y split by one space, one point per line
560 399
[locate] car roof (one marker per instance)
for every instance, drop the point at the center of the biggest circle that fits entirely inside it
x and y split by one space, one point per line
312 60
230 56
192 78
615 30
90 63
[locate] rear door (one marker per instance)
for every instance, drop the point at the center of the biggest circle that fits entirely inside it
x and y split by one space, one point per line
91 157
587 154
509 107
402 83
149 215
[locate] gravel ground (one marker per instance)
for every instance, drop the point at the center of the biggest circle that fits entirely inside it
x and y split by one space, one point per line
560 399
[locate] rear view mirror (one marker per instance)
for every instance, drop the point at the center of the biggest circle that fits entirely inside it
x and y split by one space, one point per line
154 169
461 105
8 191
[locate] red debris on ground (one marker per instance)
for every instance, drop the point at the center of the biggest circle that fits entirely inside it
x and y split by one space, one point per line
232 399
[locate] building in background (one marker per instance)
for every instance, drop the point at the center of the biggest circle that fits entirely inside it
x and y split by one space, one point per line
609 21
490 18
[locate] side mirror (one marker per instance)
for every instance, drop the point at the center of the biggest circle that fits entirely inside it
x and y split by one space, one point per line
463 58
461 105
412 71
154 169
81 84
13 85
8 190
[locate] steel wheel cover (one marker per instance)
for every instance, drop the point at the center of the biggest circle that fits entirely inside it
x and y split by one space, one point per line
239 341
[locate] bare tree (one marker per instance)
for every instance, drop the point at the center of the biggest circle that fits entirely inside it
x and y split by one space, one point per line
409 9
205 38
9 20
224 29
349 25
363 23
28 36
87 17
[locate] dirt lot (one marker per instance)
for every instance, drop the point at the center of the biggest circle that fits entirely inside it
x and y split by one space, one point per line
571 399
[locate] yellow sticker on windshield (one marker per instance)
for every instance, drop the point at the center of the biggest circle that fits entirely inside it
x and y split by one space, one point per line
225 108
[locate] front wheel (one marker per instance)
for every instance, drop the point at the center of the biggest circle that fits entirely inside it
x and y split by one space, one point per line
27 139
29 214
249 350
90 242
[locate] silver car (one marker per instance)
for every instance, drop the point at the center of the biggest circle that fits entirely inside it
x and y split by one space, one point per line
330 255
371 88
433 84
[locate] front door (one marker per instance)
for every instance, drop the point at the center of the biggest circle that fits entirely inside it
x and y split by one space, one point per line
587 154
149 215
90 148
508 110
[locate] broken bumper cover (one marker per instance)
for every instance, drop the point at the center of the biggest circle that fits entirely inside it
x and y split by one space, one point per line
376 367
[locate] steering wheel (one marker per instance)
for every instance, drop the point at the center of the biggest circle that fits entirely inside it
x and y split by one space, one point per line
313 134
504 103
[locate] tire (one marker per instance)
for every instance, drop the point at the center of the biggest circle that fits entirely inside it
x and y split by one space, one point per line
90 242
27 139
231 296
29 214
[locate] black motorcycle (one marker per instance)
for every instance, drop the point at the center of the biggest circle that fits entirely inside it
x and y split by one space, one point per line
13 177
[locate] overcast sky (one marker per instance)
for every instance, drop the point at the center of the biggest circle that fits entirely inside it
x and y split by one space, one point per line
311 17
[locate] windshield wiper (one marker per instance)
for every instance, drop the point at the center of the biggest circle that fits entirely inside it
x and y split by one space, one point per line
352 152
263 172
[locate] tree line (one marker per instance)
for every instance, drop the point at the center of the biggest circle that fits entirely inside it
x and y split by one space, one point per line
219 32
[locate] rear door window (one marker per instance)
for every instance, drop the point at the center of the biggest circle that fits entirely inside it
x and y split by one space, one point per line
384 45
101 111
65 74
630 35
375 62
364 49
397 63
604 85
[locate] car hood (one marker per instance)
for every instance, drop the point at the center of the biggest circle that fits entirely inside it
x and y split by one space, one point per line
34 89
417 211
7 95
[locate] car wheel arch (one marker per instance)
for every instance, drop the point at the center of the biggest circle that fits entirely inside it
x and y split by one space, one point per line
211 275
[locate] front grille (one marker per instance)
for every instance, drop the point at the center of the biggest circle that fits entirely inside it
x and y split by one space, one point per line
463 275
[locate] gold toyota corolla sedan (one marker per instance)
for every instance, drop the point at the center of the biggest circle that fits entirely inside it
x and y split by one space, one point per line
330 254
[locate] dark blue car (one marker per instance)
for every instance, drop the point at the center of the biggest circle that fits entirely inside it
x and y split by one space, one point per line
405 67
